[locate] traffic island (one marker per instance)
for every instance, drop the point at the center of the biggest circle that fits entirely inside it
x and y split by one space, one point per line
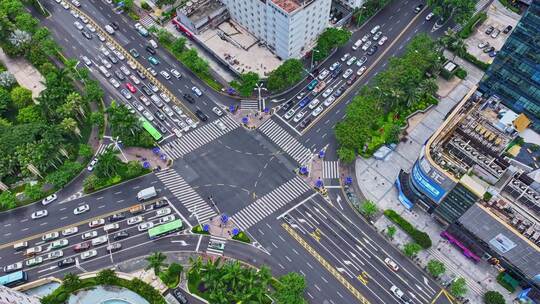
250 119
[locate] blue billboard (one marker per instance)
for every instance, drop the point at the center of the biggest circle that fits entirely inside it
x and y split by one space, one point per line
425 184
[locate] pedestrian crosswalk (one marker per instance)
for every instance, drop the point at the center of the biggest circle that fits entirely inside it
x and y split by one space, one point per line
198 138
103 147
330 169
268 204
285 141
190 199
249 104
147 21
216 246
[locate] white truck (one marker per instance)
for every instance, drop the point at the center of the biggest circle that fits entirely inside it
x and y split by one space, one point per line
146 194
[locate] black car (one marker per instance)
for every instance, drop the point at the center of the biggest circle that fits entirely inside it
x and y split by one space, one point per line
288 105
115 25
361 61
507 29
305 123
337 71
489 49
162 128
189 98
339 91
372 50
119 75
160 204
160 115
418 8
86 34
489 30
120 235
147 90
66 262
201 115
117 217
150 50
141 74
113 59
179 295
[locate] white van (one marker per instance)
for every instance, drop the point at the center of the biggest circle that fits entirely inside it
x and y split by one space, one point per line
153 43
104 71
109 29
20 246
357 44
156 100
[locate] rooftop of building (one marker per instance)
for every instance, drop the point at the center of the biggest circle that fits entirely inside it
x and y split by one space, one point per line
201 9
291 5
503 239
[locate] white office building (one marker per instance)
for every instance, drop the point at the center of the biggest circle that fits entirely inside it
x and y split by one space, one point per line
288 27
10 296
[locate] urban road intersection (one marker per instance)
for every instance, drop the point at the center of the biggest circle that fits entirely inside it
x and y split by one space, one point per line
247 174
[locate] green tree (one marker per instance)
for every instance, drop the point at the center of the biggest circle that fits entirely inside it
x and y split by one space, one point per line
93 91
246 83
178 46
391 231
97 118
291 289
33 192
458 10
331 38
164 37
5 99
156 261
21 97
108 164
458 288
493 297
436 268
8 200
26 22
346 155
368 208
411 249
90 183
85 151
106 276
71 281
287 74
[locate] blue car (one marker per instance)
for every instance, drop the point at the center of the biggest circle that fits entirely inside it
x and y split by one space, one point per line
305 101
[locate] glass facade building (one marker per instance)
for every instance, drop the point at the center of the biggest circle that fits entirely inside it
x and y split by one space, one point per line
514 75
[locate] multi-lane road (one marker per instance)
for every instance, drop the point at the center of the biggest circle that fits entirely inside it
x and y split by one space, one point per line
224 168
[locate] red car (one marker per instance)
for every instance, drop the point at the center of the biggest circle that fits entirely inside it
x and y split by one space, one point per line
131 87
81 246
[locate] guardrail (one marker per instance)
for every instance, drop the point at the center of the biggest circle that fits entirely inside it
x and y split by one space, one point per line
139 66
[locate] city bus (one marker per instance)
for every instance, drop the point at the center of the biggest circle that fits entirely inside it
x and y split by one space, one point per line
150 129
14 279
165 229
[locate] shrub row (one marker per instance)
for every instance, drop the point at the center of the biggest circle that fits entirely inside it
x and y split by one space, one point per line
474 22
418 236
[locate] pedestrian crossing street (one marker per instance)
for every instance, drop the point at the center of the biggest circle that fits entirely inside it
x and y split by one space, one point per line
216 240
249 104
198 138
190 199
330 169
268 204
285 141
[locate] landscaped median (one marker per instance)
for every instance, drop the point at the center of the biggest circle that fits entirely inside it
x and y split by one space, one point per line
420 237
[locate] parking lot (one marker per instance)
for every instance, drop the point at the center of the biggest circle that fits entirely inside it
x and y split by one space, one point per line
74 245
498 18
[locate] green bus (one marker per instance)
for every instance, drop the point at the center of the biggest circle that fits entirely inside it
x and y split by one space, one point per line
165 229
150 129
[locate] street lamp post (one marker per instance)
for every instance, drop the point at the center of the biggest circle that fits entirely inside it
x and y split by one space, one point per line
259 87
312 55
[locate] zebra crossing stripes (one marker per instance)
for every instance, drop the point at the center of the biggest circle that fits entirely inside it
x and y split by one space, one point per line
147 21
103 147
330 169
249 104
214 249
285 141
198 138
268 204
190 199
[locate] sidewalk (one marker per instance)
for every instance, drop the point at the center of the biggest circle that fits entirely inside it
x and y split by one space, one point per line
376 182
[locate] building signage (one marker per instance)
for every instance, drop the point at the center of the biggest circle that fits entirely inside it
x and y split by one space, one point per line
430 186
502 243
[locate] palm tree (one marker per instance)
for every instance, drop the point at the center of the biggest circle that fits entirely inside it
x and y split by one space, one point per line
108 164
155 261
69 125
71 280
233 272
106 276
195 264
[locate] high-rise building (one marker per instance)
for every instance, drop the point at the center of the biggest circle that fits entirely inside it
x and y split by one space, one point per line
10 296
288 27
514 75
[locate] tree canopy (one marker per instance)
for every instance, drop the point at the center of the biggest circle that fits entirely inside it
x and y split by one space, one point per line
287 74
458 10
331 38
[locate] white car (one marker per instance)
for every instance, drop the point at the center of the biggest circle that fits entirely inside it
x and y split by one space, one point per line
88 254
39 214
74 13
197 91
176 73
375 29
50 236
314 103
329 101
116 85
390 263
289 114
126 93
131 64
54 255
101 38
111 227
334 66
217 111
125 70
220 125
361 70
134 220
86 60
177 110
347 73
89 235
328 92
165 97
34 261
81 209
70 231
64 5
119 54
59 244
167 110
13 267
94 161
377 36
323 74
84 20
148 115
96 223
100 240
299 96
382 40
366 46
345 57
165 75
135 79
106 63
299 116
145 226
91 28
164 211
78 25
351 60
152 71
177 132
76 3
317 111
429 16
49 199
366 37
166 219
